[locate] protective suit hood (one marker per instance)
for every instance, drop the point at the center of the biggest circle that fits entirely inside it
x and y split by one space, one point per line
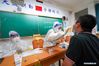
14 36
57 26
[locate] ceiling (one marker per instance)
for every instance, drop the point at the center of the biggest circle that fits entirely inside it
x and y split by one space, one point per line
69 3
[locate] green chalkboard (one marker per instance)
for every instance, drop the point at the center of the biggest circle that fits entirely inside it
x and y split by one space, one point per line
24 24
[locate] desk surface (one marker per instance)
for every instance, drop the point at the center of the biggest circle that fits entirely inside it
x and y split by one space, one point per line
46 58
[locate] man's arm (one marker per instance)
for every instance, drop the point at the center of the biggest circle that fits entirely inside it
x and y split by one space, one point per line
67 62
73 53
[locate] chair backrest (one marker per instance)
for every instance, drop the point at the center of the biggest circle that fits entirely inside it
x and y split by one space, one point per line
36 36
41 42
35 43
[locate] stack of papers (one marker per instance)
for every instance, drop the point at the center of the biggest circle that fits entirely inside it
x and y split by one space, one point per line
18 59
32 52
8 53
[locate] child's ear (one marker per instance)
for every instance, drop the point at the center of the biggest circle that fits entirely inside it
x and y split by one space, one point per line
78 25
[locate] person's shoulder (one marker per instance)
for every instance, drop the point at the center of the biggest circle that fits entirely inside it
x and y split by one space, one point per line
85 36
50 30
78 36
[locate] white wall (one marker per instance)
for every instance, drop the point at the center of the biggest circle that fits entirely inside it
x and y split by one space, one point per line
27 10
90 5
91 10
86 4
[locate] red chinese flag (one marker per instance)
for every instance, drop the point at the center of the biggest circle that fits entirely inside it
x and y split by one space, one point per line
38 8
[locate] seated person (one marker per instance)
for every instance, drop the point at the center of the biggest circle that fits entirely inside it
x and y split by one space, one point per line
15 45
83 49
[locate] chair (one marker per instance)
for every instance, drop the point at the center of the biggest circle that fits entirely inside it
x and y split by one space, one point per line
37 41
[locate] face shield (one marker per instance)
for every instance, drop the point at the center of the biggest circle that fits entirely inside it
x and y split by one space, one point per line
14 36
57 26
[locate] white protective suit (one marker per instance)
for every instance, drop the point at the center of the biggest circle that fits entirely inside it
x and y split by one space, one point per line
53 34
15 45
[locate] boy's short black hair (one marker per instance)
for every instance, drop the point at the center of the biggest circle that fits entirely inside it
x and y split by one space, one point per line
87 22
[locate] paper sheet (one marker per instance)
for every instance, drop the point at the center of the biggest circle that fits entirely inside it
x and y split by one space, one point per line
18 59
32 52
8 53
